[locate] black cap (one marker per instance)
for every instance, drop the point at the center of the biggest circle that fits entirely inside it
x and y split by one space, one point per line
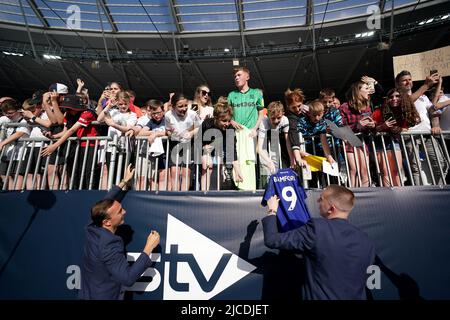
36 98
73 102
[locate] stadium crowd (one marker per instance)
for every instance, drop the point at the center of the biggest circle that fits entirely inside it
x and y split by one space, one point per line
65 140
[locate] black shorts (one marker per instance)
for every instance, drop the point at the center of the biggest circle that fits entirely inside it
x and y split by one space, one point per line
33 161
61 152
184 149
15 164
161 161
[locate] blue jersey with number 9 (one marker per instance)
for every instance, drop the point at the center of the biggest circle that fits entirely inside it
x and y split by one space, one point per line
292 210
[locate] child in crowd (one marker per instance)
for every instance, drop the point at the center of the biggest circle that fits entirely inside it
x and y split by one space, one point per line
219 140
397 114
10 151
337 103
120 119
331 111
153 130
78 123
181 126
313 125
331 106
326 97
295 109
50 102
143 111
274 147
134 108
38 123
356 113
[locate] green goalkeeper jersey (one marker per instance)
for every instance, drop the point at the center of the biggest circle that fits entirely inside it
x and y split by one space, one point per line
246 106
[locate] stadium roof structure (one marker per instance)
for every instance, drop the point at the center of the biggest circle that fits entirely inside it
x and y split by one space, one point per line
159 46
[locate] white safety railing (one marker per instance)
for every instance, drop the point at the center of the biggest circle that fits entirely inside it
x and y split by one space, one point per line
417 158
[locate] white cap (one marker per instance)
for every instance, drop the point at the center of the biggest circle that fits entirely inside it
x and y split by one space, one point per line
59 88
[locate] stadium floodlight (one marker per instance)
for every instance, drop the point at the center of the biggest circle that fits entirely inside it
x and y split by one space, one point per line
51 57
129 52
363 35
421 23
12 54
430 20
226 50
445 17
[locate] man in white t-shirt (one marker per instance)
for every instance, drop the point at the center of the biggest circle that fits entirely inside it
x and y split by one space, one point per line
422 175
444 120
441 102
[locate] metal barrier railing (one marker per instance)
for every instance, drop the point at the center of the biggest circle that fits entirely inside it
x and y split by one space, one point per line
417 158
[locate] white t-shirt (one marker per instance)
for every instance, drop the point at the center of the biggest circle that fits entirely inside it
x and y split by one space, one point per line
126 119
444 119
263 130
206 112
422 104
181 126
142 121
265 126
153 128
36 131
14 146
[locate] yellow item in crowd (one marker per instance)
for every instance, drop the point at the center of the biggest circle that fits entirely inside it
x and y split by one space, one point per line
315 162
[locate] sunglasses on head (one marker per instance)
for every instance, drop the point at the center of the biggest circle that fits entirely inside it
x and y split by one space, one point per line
204 93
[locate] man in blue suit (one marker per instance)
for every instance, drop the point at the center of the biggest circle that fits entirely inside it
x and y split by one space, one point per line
105 267
336 253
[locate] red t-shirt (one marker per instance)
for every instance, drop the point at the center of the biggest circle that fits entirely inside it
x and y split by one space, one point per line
377 116
136 110
87 129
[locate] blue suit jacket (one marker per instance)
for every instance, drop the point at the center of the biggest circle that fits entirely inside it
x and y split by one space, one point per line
336 255
105 267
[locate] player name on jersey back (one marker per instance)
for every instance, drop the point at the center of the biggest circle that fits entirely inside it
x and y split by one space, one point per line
292 210
283 178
